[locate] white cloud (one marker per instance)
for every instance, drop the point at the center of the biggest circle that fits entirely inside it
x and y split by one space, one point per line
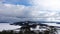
47 4
47 10
13 11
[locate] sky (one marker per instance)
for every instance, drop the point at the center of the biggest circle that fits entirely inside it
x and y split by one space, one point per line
35 10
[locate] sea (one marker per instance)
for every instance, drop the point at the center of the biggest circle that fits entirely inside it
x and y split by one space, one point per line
7 26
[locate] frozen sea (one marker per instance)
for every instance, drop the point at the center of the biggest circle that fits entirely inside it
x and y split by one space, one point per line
7 26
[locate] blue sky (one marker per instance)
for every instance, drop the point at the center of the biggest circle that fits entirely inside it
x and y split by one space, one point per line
18 2
41 10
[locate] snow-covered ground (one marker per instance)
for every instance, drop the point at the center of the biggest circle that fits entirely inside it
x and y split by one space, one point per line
52 24
6 26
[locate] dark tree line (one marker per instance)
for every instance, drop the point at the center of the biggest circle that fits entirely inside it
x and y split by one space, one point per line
26 30
20 32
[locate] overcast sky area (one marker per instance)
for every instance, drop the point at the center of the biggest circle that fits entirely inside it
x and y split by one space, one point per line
36 10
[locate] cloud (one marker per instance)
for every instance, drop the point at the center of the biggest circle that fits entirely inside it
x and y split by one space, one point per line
47 10
11 12
47 4
41 10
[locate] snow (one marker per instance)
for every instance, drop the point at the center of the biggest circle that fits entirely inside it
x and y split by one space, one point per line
52 24
38 28
6 26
